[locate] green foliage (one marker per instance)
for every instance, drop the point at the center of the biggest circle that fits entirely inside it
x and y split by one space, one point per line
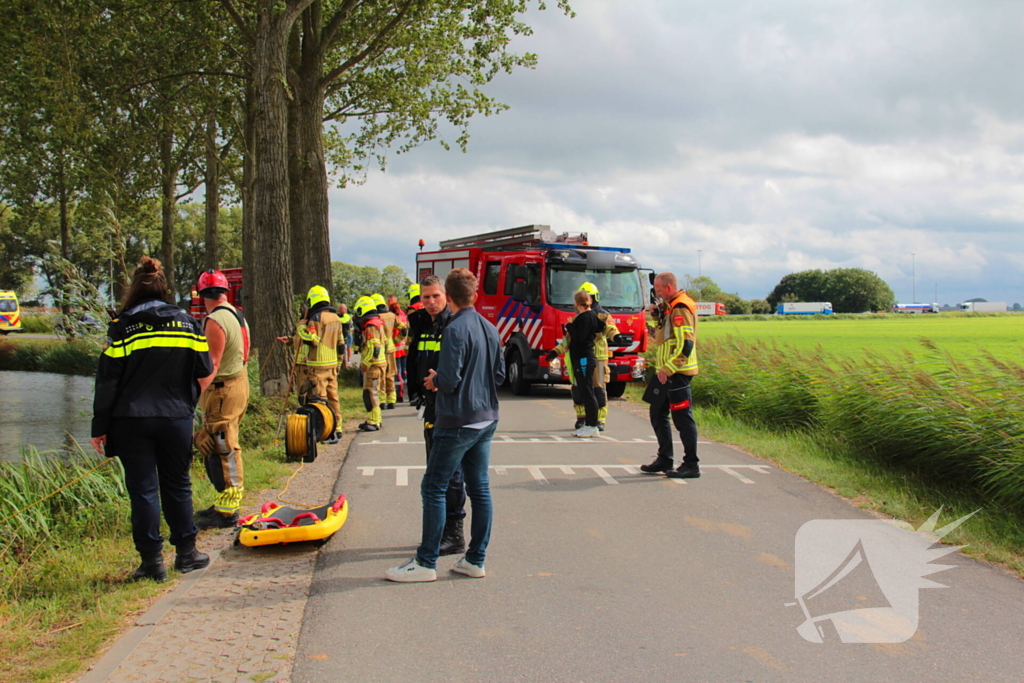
65 358
36 323
190 244
850 290
952 422
760 307
352 282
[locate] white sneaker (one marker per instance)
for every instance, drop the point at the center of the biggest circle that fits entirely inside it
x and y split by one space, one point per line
586 432
411 572
464 566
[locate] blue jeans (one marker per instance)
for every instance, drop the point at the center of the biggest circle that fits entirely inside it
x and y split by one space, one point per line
472 449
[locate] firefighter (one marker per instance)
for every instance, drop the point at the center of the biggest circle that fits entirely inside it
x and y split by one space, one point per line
602 354
389 319
401 340
318 332
345 339
223 402
373 360
414 299
676 341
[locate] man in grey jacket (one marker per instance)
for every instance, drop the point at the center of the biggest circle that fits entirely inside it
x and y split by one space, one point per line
469 371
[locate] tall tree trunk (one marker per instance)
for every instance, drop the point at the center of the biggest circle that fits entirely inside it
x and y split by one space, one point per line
248 180
295 212
270 279
168 185
309 184
212 182
65 247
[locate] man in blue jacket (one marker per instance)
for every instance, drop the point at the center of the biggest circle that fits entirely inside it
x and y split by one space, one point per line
466 381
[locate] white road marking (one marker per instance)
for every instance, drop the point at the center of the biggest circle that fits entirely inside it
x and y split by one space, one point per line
537 471
529 440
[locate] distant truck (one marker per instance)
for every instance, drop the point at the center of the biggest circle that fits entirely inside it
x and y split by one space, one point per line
710 308
983 306
804 308
915 308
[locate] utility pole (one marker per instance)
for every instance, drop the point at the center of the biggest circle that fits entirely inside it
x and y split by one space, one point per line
913 277
698 261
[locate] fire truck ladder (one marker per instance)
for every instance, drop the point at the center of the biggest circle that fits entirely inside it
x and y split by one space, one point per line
525 236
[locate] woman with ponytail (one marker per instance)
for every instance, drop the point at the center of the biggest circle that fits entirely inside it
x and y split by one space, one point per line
154 366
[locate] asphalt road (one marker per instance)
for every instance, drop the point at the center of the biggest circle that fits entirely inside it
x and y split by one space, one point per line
599 573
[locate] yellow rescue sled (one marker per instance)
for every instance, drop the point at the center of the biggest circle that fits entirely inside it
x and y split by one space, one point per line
275 524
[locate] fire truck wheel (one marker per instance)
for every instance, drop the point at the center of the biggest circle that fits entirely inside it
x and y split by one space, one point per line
516 375
616 389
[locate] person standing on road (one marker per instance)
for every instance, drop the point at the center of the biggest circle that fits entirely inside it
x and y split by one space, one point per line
425 330
390 320
676 341
469 371
373 361
223 402
155 364
578 343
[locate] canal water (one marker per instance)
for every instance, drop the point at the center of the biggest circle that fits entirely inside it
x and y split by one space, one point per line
44 410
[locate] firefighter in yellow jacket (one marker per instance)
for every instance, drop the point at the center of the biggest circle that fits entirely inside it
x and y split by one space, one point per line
389 395
601 355
318 333
223 402
676 342
373 360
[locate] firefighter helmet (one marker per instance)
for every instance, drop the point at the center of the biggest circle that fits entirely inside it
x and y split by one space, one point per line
316 295
212 282
364 306
379 302
414 290
591 289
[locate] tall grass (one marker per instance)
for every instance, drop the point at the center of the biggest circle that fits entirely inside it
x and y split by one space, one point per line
955 423
77 357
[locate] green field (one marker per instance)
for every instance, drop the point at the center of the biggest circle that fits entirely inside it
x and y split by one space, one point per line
966 337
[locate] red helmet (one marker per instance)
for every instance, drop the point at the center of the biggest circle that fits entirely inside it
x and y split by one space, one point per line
212 279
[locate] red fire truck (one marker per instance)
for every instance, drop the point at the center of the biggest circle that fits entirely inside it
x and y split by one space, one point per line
528 277
234 276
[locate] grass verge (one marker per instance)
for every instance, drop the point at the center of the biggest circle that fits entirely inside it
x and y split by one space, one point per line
62 565
993 535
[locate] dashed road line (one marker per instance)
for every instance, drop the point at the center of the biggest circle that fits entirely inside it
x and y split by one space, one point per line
537 471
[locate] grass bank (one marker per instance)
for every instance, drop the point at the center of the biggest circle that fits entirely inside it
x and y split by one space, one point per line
49 355
899 434
63 563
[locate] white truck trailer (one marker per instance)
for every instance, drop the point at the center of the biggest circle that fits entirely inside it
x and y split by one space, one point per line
804 308
983 306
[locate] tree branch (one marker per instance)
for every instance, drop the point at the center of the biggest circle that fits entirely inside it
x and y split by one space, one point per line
372 47
343 13
239 21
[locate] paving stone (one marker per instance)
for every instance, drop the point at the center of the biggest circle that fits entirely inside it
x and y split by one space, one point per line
242 616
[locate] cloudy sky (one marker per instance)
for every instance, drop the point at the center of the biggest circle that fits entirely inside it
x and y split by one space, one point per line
771 136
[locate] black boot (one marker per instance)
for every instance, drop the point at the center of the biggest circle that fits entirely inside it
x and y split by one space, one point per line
218 520
189 559
152 567
659 465
580 421
453 541
688 470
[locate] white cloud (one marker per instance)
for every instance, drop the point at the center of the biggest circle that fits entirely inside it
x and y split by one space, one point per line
772 136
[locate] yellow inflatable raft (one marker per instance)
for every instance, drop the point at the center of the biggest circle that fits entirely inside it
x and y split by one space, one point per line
275 524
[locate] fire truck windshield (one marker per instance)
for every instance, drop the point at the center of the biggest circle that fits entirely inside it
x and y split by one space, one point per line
620 289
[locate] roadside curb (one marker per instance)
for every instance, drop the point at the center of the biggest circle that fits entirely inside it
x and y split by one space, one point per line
144 625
